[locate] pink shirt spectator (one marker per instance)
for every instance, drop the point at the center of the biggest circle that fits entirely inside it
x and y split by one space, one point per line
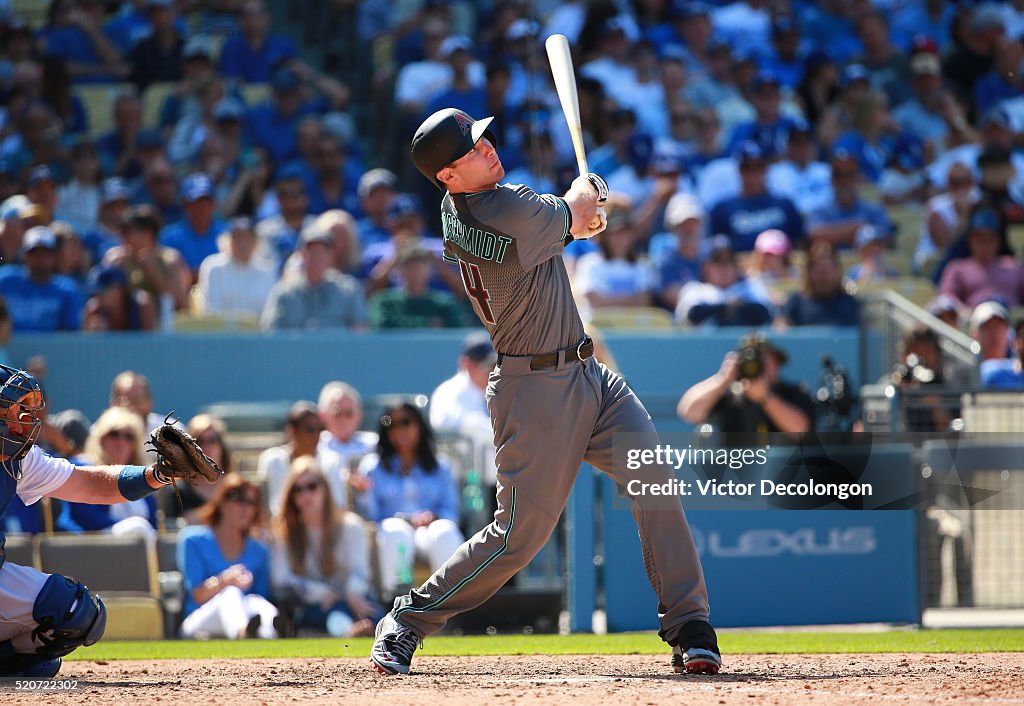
970 282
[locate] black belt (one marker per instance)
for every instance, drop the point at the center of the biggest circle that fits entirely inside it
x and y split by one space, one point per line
580 352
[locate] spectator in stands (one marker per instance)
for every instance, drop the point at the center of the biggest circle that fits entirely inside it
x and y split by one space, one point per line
302 429
1003 82
723 297
113 306
770 129
714 86
413 497
985 274
838 115
234 282
419 81
871 264
114 203
342 444
800 176
78 201
73 260
159 188
158 57
932 20
754 210
227 598
39 299
321 559
458 405
932 113
131 390
279 234
618 275
822 302
252 195
376 190
341 226
903 180
115 439
837 222
195 235
747 394
317 297
887 66
74 33
873 135
42 191
770 259
150 266
118 147
971 57
819 87
412 304
185 506
254 54
945 308
334 184
466 85
676 254
989 326
12 228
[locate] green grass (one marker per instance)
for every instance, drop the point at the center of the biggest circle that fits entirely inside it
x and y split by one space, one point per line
621 643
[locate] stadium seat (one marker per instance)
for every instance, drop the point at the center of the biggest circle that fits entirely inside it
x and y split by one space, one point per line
184 321
172 585
98 100
632 318
255 93
20 549
121 569
1015 234
32 11
916 289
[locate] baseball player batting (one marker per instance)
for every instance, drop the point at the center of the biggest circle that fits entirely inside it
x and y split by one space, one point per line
44 617
552 405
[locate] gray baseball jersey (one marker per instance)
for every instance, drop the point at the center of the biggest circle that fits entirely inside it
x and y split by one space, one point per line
508 243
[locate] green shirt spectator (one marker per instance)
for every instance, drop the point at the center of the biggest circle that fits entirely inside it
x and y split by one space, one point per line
413 304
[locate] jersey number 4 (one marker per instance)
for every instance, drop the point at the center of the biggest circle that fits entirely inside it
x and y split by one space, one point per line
475 288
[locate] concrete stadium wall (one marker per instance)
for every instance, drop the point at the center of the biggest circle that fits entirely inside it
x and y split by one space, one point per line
189 371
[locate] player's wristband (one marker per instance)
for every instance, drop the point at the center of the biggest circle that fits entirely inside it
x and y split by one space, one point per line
131 481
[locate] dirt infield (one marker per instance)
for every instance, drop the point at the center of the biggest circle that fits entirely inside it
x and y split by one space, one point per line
750 680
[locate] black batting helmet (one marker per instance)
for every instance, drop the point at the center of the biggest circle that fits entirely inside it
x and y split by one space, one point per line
444 137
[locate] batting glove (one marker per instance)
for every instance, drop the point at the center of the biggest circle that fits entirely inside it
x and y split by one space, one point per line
600 186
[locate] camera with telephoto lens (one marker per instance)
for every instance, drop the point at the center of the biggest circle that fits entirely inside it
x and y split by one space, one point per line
912 371
750 364
836 398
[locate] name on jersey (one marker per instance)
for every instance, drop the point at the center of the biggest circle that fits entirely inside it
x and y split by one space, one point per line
477 242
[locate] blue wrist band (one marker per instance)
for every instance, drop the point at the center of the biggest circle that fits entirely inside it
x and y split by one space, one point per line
131 481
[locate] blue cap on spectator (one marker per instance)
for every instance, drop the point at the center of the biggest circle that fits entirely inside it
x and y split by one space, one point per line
521 29
12 206
285 80
103 277
719 243
612 25
667 159
688 9
195 187
717 44
228 109
290 172
374 179
454 43
854 72
403 206
114 189
38 237
817 58
908 152
40 173
765 78
783 24
995 116
984 219
477 347
198 45
866 235
640 150
988 15
749 151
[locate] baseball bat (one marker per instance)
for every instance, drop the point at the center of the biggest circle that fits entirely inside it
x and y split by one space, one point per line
560 58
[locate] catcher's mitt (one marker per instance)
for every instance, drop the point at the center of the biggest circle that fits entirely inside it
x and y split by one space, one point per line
179 456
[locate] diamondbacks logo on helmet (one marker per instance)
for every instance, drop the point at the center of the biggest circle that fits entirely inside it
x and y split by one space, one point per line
464 123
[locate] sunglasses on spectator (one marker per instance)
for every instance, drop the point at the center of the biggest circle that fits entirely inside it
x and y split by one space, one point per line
124 434
300 488
310 428
402 422
240 496
342 412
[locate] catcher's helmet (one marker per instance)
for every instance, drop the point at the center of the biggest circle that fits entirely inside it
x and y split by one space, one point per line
18 405
444 137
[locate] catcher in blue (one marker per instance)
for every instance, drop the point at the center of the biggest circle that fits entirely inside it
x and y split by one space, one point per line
44 617
552 405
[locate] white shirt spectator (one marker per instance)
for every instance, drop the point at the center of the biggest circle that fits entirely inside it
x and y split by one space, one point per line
79 205
694 293
229 287
275 463
809 187
943 206
419 82
718 181
336 458
613 277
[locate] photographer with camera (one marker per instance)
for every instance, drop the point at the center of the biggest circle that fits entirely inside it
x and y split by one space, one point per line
921 368
747 395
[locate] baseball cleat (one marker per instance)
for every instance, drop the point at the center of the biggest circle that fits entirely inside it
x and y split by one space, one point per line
393 647
695 660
